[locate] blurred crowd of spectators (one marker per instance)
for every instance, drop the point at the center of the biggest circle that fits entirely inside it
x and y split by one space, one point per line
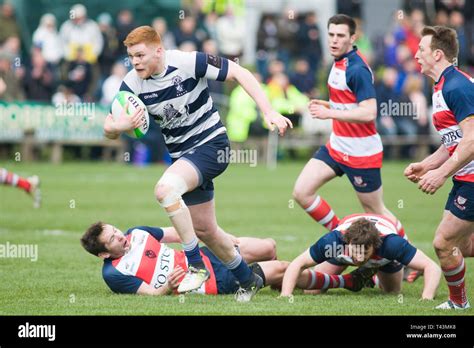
84 60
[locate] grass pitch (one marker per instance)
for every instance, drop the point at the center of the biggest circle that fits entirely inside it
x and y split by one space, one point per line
65 280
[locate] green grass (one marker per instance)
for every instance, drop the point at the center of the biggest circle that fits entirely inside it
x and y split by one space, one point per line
250 202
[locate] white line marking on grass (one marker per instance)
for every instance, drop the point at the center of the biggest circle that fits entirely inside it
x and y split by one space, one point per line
287 238
53 232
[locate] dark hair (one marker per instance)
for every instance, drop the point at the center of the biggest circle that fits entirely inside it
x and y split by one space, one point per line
90 239
343 19
363 232
444 39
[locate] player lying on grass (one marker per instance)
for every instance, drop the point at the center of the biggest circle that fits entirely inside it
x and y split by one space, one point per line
138 262
369 242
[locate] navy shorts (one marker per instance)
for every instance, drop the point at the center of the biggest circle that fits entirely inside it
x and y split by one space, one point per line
227 283
209 160
363 179
392 267
461 200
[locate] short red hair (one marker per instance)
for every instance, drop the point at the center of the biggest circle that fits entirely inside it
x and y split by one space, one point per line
144 34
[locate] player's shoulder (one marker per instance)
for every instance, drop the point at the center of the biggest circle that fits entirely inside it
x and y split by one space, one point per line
457 80
137 229
334 236
392 242
357 61
132 81
108 270
177 57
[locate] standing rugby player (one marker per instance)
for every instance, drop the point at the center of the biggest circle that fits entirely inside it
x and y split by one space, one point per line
173 86
453 118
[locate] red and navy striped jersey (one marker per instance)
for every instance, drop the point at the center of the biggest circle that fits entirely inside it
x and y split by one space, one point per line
453 102
356 145
150 261
395 246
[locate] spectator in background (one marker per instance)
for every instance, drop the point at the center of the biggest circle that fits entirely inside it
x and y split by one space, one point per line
210 25
413 89
309 41
125 24
8 23
351 8
288 26
386 96
111 85
46 37
303 79
267 44
12 45
39 81
411 111
167 38
286 99
275 67
442 18
405 64
186 31
409 31
456 21
187 46
109 52
363 43
10 88
231 35
79 71
65 95
81 33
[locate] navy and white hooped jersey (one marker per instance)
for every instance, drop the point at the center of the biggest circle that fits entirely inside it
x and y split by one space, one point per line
394 248
178 98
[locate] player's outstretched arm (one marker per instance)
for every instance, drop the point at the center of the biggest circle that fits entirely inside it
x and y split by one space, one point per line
431 273
416 170
293 272
113 128
252 87
171 284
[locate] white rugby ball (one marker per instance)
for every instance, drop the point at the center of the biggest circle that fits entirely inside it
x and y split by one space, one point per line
134 103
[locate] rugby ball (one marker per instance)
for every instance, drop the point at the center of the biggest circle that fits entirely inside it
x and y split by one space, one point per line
134 103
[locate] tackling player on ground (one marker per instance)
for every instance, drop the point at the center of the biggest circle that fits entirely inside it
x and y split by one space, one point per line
453 118
370 242
173 86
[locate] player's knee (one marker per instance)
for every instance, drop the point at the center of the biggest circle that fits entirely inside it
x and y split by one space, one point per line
208 234
161 191
392 289
270 251
301 195
169 189
441 246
